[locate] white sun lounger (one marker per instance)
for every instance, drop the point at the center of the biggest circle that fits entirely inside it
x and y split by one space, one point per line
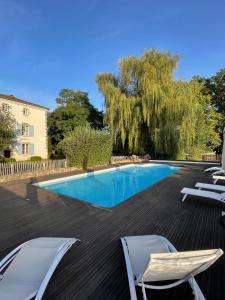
26 271
152 258
212 169
217 177
206 186
219 173
205 194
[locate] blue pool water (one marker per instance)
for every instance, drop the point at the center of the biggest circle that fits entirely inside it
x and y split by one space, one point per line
112 187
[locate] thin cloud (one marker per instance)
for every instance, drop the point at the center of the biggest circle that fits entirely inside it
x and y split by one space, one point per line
109 35
92 5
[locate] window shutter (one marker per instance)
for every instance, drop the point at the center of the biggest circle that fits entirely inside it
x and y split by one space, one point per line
31 130
19 129
19 149
31 149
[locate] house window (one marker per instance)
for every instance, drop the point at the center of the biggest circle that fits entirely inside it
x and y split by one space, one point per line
25 149
26 111
25 129
5 107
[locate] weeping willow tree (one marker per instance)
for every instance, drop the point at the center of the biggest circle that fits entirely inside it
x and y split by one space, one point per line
148 111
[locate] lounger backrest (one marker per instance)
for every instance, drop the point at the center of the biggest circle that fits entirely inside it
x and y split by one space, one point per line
32 262
179 265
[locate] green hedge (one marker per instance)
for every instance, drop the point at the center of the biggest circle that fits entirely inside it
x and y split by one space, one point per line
35 158
7 159
10 159
86 147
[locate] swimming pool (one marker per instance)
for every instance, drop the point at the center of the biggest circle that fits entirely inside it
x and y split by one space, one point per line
109 187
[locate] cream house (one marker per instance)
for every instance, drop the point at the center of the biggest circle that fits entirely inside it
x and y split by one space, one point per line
31 125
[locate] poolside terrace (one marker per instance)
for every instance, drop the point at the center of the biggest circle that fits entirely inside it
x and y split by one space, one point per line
95 268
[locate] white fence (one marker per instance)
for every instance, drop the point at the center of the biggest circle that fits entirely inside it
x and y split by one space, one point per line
22 167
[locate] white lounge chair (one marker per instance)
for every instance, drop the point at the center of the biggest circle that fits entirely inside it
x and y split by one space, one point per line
152 258
217 177
26 271
212 169
205 194
206 186
221 173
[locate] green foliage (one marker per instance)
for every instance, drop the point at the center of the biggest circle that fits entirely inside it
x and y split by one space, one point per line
74 109
7 130
146 109
2 159
35 158
87 147
214 87
9 159
196 153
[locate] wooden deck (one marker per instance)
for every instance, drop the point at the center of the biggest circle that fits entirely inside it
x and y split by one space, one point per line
95 268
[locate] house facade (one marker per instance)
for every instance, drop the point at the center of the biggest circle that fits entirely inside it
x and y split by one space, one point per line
31 123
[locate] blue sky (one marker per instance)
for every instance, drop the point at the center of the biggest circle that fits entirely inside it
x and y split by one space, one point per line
47 45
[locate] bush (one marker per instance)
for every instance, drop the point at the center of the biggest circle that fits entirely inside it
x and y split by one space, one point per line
2 159
10 159
196 153
86 147
35 158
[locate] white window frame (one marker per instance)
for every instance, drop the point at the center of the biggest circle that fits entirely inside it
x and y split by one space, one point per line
25 129
26 111
25 148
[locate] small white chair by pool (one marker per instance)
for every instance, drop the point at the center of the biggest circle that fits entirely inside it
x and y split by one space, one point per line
153 258
204 194
26 271
207 186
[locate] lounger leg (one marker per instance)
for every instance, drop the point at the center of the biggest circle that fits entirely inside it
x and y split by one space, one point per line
196 289
185 196
143 290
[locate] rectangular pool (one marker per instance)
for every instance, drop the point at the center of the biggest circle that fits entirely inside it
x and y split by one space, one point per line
109 187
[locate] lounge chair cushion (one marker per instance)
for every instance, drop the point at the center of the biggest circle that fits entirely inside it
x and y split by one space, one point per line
179 265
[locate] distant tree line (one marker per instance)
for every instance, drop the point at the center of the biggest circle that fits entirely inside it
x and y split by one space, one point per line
146 111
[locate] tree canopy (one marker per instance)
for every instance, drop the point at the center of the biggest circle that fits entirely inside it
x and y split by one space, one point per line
7 130
74 109
215 88
147 110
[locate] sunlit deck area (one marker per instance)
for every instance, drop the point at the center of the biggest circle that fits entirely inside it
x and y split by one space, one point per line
95 268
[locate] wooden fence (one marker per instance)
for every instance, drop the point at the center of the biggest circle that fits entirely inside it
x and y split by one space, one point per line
22 167
211 156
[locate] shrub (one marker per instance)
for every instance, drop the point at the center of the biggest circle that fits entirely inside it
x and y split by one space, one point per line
10 159
35 158
87 147
2 159
196 153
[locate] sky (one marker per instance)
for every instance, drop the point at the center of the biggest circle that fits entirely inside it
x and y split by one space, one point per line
47 45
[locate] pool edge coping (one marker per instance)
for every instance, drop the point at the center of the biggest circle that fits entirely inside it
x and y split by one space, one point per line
42 184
